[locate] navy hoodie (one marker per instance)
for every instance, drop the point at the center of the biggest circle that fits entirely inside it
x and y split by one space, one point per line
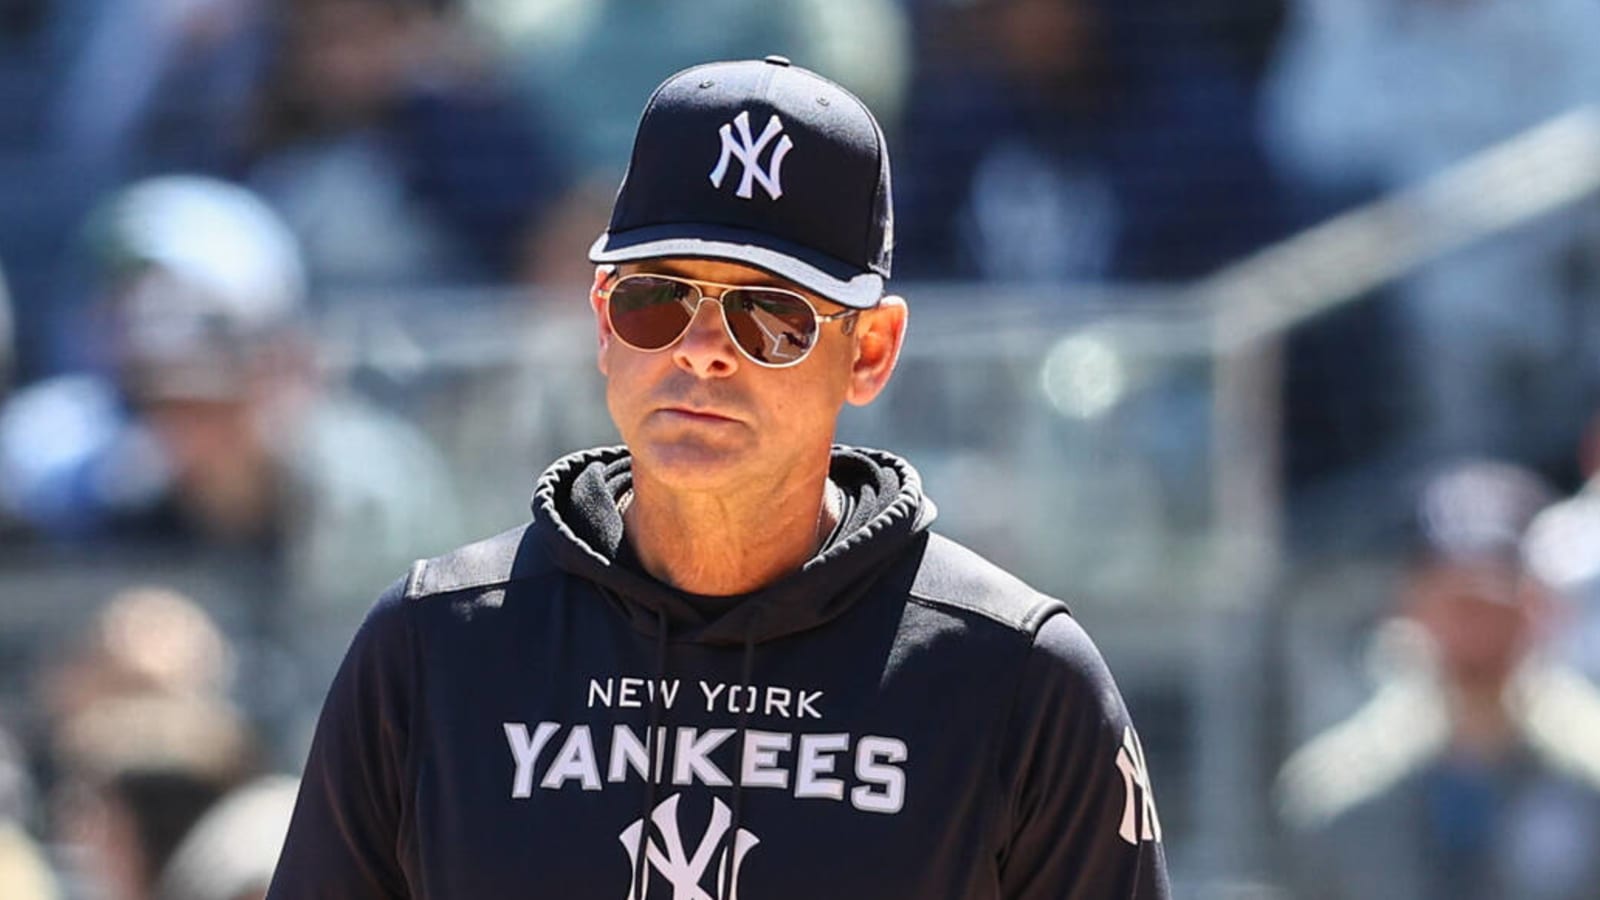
898 719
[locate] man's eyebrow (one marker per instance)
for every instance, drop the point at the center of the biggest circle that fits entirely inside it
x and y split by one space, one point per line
756 277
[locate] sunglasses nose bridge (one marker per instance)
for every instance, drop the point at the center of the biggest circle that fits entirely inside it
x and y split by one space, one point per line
693 306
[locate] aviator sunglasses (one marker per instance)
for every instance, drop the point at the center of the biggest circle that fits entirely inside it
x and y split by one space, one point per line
772 327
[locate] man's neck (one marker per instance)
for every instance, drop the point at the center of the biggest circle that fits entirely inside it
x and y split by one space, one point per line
717 544
1483 728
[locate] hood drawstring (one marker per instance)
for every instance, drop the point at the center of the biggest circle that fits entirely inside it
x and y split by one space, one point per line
655 760
725 870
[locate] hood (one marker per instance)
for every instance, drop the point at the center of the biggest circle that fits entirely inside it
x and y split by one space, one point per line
575 514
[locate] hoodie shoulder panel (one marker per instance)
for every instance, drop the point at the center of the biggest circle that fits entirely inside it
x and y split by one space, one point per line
951 575
506 557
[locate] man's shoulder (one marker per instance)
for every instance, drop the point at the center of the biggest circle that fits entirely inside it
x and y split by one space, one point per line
955 578
511 555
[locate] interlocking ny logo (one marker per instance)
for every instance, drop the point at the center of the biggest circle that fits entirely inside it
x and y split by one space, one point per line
748 152
1136 783
683 870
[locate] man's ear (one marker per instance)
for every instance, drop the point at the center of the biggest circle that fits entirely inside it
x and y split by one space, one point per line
880 332
597 302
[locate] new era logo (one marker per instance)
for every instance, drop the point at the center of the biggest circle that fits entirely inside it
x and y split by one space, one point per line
748 151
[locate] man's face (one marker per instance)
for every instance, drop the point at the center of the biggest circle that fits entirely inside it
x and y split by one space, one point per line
700 416
1481 616
223 467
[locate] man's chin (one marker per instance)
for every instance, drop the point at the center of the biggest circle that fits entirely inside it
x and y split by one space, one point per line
690 464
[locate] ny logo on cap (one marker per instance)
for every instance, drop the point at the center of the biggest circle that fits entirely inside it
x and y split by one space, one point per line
748 152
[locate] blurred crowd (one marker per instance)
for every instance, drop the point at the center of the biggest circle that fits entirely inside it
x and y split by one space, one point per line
1473 769
193 191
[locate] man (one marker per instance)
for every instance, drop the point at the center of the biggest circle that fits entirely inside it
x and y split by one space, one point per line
729 659
1474 771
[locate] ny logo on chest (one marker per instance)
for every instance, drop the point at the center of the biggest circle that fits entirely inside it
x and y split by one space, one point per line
667 854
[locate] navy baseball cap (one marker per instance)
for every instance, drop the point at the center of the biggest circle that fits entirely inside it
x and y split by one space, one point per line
764 163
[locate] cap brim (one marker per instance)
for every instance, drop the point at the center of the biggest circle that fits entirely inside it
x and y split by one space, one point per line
816 272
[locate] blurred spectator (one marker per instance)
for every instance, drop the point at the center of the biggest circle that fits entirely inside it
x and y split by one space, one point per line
231 852
156 86
144 641
392 152
1077 140
375 125
1369 96
216 431
1474 771
140 738
146 649
586 61
138 772
99 92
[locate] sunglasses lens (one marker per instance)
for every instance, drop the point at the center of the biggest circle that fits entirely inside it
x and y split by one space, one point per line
774 327
650 313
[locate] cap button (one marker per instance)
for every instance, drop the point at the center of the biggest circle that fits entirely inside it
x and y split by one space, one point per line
777 60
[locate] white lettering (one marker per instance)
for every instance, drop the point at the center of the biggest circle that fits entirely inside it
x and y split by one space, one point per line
711 694
782 705
733 705
632 693
525 751
574 761
628 697
804 708
816 759
872 755
693 750
628 751
761 769
808 765
669 692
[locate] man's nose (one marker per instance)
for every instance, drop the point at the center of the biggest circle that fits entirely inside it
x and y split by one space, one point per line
706 349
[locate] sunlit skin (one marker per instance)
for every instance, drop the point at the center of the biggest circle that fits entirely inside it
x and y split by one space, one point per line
1483 618
225 473
226 451
730 459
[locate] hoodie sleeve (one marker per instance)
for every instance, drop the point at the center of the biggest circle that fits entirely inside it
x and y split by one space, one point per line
345 837
1083 818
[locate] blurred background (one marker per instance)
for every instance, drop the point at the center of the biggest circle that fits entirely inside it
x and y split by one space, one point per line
1266 332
